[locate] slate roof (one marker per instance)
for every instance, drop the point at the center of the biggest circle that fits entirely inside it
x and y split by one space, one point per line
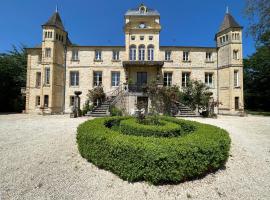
55 20
136 12
228 22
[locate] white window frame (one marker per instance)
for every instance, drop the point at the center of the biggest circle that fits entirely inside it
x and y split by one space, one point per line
167 79
168 54
150 51
141 52
98 55
186 56
115 55
209 79
97 78
115 79
236 54
132 53
74 78
75 55
186 78
47 72
208 56
48 52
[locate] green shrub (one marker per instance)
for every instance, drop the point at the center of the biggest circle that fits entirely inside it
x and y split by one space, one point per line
115 111
158 160
87 107
165 129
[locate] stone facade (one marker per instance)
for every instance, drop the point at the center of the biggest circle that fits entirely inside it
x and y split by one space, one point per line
142 59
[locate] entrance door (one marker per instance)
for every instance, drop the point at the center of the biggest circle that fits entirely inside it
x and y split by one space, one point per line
141 78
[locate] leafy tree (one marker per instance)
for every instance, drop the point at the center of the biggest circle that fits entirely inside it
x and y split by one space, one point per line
96 95
12 79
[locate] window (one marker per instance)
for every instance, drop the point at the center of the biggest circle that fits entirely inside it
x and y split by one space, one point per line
97 78
132 52
115 78
208 56
74 78
236 78
185 78
37 100
47 52
39 58
236 103
167 79
208 79
38 79
168 55
97 55
227 38
141 37
150 52
236 36
150 37
235 54
46 101
75 55
47 75
133 37
71 100
46 34
185 56
115 55
141 52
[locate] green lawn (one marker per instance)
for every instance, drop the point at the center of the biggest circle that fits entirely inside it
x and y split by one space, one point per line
252 112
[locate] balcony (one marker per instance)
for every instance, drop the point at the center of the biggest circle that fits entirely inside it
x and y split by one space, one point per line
143 63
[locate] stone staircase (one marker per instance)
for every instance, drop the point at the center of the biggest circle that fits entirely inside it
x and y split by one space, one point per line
102 110
181 110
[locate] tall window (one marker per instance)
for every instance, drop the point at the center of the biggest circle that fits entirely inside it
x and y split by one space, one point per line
167 79
37 100
48 52
235 54
71 100
141 52
236 78
185 56
98 55
115 78
185 78
97 78
236 103
47 75
208 80
115 55
208 56
75 55
38 79
46 101
150 52
168 55
132 52
74 78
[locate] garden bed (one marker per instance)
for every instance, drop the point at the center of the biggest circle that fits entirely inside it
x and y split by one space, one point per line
133 156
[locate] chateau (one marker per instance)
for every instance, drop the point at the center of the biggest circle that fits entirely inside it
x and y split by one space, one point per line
57 68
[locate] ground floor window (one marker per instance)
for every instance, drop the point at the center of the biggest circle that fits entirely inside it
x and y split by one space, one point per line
115 78
209 79
46 101
71 100
185 78
37 100
97 78
167 79
236 103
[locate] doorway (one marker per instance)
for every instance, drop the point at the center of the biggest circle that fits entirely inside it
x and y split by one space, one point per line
141 78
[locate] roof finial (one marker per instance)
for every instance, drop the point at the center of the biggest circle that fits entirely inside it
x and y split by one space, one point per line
227 9
56 8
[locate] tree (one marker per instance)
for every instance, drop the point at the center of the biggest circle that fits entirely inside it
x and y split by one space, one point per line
96 95
12 79
258 13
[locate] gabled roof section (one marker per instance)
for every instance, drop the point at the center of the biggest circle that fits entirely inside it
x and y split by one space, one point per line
55 20
142 10
228 22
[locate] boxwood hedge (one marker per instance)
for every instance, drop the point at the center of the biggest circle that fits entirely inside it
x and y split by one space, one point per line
157 160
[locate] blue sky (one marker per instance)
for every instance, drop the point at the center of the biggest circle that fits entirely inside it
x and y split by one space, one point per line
88 22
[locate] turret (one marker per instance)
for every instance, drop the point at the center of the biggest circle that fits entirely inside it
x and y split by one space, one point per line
230 66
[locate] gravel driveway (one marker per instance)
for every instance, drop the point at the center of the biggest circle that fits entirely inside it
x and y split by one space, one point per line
39 160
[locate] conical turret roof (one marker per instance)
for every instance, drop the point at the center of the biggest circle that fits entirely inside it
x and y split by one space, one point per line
228 22
55 20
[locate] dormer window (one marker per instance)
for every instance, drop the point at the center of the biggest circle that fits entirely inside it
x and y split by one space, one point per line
142 25
133 37
142 9
97 55
75 55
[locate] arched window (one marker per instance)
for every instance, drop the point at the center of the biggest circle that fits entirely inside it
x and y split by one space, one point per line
141 52
150 52
132 52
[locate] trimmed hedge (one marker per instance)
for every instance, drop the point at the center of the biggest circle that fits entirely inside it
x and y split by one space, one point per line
157 160
165 129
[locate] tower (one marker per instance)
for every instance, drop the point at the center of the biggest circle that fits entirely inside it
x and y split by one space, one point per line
54 42
230 66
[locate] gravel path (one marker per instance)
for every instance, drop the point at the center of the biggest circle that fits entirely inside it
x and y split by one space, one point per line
39 160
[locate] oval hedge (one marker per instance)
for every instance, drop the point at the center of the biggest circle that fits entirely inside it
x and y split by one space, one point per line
157 160
165 129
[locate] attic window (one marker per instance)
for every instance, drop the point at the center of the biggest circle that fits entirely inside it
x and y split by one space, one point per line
142 9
